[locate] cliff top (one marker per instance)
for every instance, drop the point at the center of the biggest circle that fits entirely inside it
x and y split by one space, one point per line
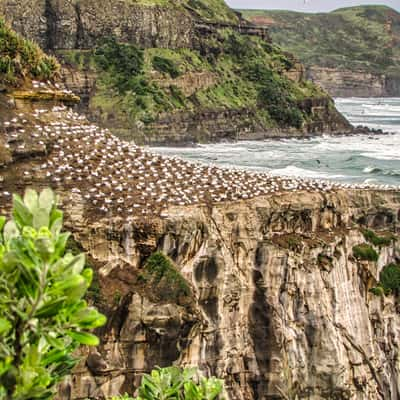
356 38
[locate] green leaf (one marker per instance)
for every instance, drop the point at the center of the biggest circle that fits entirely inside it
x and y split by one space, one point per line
10 231
89 318
41 219
50 309
47 200
45 247
84 338
77 264
5 326
21 212
2 222
31 200
60 245
56 227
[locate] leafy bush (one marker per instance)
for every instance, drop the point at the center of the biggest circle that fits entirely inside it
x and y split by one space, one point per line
20 58
365 252
376 240
377 291
43 317
275 93
173 383
123 62
166 66
389 278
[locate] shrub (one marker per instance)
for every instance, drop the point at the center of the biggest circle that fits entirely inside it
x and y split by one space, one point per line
176 384
389 278
122 61
365 252
377 291
275 93
165 66
372 237
43 317
20 58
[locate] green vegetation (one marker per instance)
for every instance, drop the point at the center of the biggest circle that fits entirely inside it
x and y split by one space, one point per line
389 281
21 59
247 73
365 252
379 241
165 281
43 318
174 383
356 38
166 66
389 278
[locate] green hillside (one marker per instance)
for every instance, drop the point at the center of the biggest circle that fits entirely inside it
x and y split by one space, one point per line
138 85
357 38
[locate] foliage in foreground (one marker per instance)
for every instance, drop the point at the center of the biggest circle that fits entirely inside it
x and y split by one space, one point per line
174 383
43 317
21 58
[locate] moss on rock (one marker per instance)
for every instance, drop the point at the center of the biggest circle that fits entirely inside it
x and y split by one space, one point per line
163 281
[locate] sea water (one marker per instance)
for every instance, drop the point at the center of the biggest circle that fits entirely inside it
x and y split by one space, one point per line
355 159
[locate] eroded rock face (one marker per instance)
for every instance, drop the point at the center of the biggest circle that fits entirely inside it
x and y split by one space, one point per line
61 24
346 83
281 306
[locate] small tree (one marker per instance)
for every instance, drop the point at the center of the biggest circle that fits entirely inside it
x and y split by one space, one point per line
43 317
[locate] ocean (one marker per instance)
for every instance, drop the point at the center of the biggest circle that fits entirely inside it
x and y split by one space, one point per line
351 159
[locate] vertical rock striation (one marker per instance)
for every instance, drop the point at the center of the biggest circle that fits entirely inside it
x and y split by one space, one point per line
281 307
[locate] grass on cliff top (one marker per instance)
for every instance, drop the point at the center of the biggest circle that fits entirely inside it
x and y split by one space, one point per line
215 11
357 38
22 59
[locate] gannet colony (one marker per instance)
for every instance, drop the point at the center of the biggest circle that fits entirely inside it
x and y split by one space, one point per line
119 177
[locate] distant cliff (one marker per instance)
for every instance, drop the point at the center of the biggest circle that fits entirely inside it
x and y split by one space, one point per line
349 52
173 72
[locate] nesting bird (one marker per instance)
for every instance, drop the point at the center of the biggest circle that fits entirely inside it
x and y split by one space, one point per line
118 177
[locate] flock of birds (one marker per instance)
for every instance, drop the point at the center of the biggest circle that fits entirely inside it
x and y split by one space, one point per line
118 177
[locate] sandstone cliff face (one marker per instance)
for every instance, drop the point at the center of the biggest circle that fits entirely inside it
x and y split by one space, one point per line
347 83
60 24
281 306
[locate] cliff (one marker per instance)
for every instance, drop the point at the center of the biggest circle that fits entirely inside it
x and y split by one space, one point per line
197 65
269 296
349 52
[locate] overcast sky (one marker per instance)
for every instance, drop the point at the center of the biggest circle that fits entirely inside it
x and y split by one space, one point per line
307 5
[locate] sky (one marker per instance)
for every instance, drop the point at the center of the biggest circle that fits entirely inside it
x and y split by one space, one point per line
307 5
